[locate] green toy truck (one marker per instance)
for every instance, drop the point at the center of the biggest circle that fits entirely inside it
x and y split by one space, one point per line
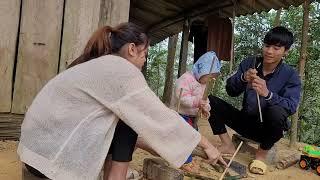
310 158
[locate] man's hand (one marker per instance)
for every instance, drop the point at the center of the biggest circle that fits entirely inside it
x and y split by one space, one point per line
250 75
260 86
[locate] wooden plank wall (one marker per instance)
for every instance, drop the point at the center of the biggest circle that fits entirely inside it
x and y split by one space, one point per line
38 52
9 22
94 14
112 12
51 33
80 21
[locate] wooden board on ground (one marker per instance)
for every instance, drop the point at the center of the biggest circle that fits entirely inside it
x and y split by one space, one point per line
10 126
9 22
38 52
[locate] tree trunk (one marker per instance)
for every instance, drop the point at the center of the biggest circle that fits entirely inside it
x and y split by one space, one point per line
167 92
302 64
184 49
277 21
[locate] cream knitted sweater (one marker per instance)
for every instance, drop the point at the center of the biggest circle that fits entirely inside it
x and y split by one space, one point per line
67 131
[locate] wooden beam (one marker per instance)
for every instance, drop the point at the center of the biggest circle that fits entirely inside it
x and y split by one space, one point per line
192 13
38 52
9 24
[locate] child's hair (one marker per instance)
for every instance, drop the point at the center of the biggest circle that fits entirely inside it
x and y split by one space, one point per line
279 36
203 65
108 40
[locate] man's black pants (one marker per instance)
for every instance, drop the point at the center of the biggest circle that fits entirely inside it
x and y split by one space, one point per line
266 133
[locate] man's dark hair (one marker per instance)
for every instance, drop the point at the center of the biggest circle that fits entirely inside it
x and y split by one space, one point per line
279 36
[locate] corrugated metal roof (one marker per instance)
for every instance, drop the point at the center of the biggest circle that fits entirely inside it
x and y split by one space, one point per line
163 18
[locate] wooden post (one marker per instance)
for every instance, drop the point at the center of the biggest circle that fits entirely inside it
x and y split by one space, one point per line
184 49
277 18
168 86
38 52
302 64
9 22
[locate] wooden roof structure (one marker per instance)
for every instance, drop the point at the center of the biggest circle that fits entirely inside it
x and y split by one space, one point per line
164 18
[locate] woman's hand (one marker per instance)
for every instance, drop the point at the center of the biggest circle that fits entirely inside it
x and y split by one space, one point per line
212 152
214 155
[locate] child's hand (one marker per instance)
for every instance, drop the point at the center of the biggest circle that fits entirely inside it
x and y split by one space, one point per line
203 103
205 108
205 112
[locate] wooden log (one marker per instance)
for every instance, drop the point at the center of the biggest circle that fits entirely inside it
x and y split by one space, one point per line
288 161
9 24
38 52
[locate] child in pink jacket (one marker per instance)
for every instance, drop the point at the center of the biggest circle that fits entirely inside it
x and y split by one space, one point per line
193 84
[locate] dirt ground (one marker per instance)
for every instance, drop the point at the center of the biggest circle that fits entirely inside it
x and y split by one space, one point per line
10 166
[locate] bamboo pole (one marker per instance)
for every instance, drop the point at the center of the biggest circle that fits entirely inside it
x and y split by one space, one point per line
179 99
232 38
235 153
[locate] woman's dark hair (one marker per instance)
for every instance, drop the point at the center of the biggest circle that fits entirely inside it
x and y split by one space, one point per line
279 36
108 40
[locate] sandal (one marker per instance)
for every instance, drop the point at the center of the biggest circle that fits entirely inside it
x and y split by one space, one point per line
258 167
